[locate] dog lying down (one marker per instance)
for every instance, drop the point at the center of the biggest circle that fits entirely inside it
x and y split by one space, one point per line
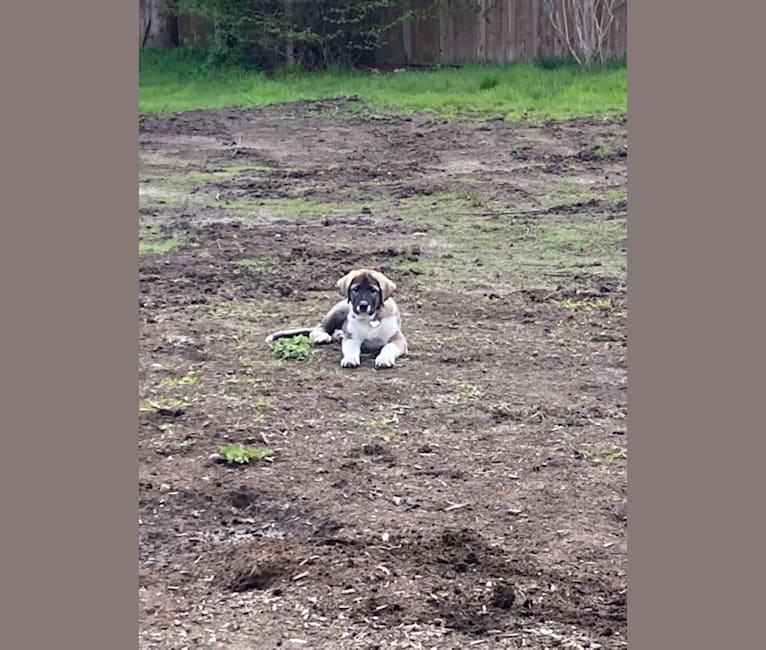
366 320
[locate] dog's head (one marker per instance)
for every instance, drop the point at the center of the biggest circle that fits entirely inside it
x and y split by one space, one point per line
366 290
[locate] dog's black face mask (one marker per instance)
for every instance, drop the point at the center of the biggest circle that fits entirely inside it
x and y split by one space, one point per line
365 298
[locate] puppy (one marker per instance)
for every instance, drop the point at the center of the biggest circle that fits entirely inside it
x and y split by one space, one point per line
366 320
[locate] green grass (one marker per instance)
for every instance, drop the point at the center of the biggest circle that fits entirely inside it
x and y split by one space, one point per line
177 80
299 206
577 238
152 245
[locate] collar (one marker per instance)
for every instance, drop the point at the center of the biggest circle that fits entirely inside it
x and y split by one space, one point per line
373 321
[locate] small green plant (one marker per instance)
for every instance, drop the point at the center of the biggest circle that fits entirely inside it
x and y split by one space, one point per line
246 262
381 428
187 380
261 404
296 348
474 200
466 392
601 456
594 303
604 150
619 452
173 407
241 454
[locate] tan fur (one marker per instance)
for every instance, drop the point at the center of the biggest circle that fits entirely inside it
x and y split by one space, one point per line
386 285
379 333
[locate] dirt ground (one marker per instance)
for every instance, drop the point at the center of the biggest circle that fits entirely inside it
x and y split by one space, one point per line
472 496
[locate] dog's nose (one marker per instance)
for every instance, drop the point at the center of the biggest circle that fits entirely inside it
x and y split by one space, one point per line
363 305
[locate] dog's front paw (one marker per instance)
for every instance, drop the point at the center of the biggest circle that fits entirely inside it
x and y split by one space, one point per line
385 361
349 362
320 337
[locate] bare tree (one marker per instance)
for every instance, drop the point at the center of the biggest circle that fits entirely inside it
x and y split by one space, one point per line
583 26
158 24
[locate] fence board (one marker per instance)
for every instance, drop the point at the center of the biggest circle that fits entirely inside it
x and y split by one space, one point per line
192 31
498 31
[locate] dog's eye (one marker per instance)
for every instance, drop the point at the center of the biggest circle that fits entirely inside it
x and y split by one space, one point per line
373 289
354 289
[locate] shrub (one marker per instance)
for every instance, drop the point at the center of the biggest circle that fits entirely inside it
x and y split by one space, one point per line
303 33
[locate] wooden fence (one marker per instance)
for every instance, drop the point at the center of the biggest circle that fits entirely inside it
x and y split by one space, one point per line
496 31
448 32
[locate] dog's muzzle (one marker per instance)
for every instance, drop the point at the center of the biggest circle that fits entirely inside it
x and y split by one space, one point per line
364 307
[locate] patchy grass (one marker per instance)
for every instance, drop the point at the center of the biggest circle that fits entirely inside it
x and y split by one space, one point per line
184 175
244 316
261 404
381 428
173 407
469 248
585 303
247 262
159 246
302 207
583 236
466 392
616 194
172 190
178 80
617 453
569 192
172 382
605 150
380 424
263 261
151 242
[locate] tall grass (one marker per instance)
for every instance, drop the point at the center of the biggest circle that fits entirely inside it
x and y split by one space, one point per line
178 79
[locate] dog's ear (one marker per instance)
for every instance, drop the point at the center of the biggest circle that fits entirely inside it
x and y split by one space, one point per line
387 286
344 283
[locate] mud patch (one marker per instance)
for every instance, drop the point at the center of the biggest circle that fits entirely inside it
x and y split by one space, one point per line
476 492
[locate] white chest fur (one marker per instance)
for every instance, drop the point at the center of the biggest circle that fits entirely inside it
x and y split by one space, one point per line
372 333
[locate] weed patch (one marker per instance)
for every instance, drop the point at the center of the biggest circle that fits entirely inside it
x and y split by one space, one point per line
296 348
242 454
